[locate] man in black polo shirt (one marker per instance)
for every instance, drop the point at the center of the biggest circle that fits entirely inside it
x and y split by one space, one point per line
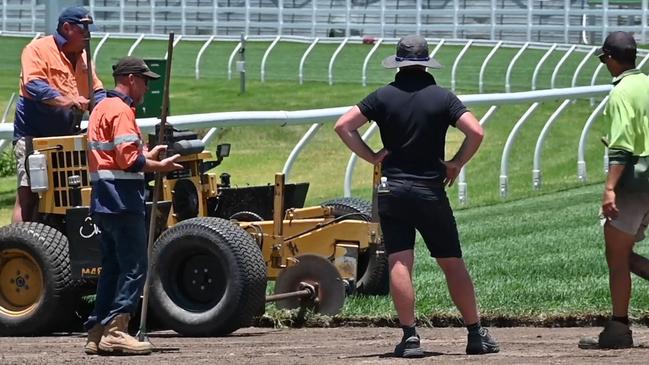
413 115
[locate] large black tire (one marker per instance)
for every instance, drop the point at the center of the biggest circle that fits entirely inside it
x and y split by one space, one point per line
35 279
373 276
208 277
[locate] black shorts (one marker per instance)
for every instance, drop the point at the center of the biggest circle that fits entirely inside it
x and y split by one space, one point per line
410 206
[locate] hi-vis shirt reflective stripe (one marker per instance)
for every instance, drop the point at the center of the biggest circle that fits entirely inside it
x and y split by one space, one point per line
115 157
116 175
109 146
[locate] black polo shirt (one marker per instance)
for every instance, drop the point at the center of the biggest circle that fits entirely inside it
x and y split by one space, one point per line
413 115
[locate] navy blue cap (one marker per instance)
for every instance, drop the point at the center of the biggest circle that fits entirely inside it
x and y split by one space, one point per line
77 15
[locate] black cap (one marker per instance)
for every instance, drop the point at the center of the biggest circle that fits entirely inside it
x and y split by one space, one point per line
619 45
77 15
133 65
411 50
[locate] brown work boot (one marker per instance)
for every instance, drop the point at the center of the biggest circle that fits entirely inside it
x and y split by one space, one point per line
116 339
616 335
94 336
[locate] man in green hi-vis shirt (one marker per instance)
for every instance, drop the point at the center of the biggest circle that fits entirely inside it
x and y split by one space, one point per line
625 202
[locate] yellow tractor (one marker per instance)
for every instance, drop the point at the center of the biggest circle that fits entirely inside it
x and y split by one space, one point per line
216 245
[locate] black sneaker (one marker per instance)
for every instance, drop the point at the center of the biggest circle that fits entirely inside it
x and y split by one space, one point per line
409 347
481 343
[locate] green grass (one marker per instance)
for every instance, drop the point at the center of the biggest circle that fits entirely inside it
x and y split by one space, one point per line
531 260
535 254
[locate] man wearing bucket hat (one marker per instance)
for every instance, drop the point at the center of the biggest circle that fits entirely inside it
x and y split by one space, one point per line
625 201
413 115
53 94
117 163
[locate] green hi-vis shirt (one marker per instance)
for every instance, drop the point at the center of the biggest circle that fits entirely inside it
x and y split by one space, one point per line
627 112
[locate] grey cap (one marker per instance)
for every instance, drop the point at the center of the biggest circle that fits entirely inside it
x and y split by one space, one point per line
133 65
411 50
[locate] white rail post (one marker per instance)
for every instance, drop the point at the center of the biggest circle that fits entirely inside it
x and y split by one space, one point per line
101 43
351 164
290 161
333 59
3 142
537 176
593 79
367 60
581 65
582 174
209 136
462 188
510 67
437 48
484 66
504 161
234 53
265 57
300 74
135 44
176 41
457 61
197 69
540 64
559 64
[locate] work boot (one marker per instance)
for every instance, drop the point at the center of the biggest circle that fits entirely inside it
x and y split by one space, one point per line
94 336
616 335
116 339
481 343
409 347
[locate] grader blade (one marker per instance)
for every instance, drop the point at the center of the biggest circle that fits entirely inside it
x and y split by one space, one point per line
313 282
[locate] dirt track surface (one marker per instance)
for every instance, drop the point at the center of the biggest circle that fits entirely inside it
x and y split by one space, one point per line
344 345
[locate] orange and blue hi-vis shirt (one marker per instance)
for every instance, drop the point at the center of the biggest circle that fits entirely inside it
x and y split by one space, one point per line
115 157
46 73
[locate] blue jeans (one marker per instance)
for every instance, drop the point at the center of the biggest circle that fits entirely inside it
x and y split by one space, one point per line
123 266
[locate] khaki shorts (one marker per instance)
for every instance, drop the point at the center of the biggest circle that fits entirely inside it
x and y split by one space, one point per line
22 148
633 216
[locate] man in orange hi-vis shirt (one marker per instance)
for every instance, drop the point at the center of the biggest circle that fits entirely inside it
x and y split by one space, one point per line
53 94
117 162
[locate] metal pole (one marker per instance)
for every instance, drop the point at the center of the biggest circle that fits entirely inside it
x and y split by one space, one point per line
157 190
241 65
91 89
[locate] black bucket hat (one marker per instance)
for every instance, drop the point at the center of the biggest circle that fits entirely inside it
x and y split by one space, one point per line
411 50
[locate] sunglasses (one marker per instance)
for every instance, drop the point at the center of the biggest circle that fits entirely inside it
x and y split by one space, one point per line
144 78
603 57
